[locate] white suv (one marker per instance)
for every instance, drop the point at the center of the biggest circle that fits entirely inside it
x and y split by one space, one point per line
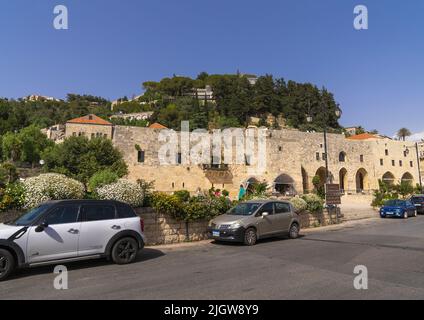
70 230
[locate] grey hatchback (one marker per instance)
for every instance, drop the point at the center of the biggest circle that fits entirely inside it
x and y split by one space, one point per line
256 219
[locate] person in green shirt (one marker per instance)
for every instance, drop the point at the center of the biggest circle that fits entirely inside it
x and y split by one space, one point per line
242 192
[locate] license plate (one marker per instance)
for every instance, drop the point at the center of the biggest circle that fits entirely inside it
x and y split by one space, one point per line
390 213
418 205
215 233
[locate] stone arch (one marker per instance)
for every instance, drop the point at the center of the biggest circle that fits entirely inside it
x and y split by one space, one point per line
342 156
361 180
388 178
305 181
321 174
343 180
284 184
407 177
250 183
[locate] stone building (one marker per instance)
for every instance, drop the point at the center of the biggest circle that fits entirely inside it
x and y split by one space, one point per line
90 126
293 159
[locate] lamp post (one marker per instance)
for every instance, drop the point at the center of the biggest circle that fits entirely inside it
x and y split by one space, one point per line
418 164
309 119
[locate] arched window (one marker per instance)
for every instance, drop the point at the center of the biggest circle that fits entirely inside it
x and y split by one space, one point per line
342 156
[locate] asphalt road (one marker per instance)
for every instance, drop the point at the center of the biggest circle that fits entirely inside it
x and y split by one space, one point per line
317 266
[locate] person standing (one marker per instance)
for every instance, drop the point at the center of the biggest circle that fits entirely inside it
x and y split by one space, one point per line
242 192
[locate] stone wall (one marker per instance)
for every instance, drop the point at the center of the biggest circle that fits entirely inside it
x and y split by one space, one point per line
163 229
296 156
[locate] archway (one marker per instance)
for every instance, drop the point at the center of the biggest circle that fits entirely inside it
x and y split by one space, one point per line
389 178
407 178
343 181
305 181
361 180
284 184
250 185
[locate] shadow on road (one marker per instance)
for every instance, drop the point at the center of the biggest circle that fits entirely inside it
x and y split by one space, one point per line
261 241
145 255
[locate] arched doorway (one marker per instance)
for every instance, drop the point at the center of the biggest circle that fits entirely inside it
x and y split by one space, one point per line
343 180
250 185
305 181
389 179
284 184
361 180
407 178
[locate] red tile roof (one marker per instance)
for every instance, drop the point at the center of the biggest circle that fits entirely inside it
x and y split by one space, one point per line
90 119
364 136
157 126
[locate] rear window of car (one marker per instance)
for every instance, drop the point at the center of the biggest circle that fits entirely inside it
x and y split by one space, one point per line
94 212
125 211
417 199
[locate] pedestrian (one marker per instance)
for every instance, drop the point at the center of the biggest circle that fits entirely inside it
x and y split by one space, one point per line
242 192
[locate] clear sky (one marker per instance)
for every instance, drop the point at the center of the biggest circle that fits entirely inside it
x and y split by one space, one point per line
113 46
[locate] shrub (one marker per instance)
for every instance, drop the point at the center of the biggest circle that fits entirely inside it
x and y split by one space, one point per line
51 186
167 204
12 197
299 204
314 202
101 179
147 188
122 190
182 195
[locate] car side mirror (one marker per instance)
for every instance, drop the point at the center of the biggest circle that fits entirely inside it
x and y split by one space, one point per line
265 214
41 227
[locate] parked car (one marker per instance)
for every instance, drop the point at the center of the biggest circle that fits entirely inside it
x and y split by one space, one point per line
418 201
253 220
398 208
64 231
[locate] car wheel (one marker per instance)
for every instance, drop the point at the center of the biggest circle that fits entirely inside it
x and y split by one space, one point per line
294 231
250 237
124 251
7 264
382 216
405 215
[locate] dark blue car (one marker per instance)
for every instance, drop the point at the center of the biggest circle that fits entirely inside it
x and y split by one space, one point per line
398 208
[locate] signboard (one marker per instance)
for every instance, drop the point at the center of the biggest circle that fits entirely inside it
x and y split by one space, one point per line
332 194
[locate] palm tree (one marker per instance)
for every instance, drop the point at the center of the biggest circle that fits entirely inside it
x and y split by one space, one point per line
403 133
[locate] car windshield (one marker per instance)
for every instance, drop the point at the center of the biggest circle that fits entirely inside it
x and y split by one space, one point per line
244 209
395 203
29 217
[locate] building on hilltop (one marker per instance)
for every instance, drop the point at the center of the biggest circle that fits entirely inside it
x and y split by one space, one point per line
90 126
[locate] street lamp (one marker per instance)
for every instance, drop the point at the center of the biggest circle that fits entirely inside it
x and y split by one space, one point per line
325 111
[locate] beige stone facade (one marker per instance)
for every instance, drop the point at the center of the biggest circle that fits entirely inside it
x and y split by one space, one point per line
293 159
90 126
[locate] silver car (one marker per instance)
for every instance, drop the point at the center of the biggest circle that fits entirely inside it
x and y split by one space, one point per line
256 219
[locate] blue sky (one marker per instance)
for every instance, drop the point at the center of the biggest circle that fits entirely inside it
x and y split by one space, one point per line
113 46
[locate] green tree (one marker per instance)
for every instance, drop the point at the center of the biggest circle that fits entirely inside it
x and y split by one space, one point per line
403 133
81 158
11 146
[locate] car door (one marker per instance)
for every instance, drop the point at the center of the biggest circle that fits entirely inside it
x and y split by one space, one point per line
266 225
59 240
411 208
283 216
98 226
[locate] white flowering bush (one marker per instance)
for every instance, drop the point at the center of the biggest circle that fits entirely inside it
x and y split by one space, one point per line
299 204
51 186
315 203
122 190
